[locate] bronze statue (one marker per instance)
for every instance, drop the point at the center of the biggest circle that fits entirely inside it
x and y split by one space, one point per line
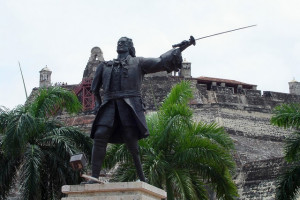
120 117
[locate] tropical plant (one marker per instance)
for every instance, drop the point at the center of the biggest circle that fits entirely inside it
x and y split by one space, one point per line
180 156
35 147
288 117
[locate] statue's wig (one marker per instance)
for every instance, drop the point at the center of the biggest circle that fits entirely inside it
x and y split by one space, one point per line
130 45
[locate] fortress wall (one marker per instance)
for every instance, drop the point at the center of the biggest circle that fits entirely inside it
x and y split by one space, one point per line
155 89
82 120
245 116
243 122
259 179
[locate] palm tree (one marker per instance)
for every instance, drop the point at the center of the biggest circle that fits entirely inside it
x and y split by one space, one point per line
288 117
35 148
180 156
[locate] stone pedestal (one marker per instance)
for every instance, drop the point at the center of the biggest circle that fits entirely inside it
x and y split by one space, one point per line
113 191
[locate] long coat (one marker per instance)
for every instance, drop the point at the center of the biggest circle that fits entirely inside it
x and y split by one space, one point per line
134 69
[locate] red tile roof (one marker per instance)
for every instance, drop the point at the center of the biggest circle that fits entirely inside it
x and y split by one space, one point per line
220 80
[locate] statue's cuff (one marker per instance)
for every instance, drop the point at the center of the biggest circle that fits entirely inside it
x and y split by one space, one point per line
172 60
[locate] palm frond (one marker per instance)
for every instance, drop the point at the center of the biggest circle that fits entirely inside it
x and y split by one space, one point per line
175 110
287 116
4 118
116 153
154 166
30 173
40 147
67 139
125 172
214 132
52 99
220 181
182 184
152 122
289 185
199 186
18 132
180 94
82 141
169 134
202 150
225 187
8 174
3 109
57 171
169 189
292 147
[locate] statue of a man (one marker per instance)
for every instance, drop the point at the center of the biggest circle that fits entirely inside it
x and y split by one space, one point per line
120 117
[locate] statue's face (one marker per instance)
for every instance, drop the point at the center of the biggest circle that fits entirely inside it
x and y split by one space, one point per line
123 45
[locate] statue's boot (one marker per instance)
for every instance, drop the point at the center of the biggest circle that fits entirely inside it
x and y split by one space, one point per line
130 136
98 155
137 163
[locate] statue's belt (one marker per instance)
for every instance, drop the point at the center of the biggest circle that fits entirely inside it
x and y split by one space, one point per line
121 94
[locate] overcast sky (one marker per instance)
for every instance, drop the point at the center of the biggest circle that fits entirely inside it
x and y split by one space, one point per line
60 34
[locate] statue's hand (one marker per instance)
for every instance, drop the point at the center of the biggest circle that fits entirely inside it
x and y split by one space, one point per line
177 60
181 44
172 60
184 43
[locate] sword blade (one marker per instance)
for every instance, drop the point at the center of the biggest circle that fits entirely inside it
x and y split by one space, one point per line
224 32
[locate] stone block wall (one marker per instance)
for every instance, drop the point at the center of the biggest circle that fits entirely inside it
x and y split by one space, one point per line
260 179
155 89
82 120
245 116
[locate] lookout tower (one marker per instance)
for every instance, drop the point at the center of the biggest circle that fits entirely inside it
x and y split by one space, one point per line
185 71
95 59
45 77
294 87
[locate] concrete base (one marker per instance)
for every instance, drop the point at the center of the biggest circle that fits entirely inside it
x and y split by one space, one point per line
113 191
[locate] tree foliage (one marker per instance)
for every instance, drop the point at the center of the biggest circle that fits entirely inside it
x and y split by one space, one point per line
288 117
35 148
181 156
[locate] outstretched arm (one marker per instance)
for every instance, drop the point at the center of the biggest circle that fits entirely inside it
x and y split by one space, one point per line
169 61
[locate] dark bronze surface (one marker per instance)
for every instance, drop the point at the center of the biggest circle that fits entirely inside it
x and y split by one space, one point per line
120 116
